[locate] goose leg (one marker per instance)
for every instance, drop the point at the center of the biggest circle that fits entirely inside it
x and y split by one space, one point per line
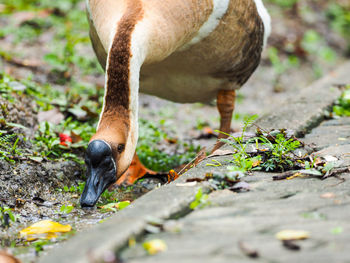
134 172
225 104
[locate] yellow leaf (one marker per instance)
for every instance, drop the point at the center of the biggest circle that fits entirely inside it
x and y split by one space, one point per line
256 163
44 229
292 235
294 176
155 246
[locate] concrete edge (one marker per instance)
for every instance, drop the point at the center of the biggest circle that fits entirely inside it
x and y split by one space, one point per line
305 111
165 202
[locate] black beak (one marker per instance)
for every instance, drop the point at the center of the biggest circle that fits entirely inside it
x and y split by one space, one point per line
101 172
95 186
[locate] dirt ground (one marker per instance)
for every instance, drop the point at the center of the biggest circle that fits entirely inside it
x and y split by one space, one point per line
34 189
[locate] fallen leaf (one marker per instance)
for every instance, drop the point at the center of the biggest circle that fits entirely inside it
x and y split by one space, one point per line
75 137
189 184
90 113
248 251
36 159
115 206
294 176
45 229
200 156
7 258
330 158
171 140
78 112
206 133
240 187
172 176
311 172
221 153
292 235
328 195
319 162
20 202
53 116
154 246
290 244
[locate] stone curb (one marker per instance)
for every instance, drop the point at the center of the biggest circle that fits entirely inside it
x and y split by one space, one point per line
307 109
301 114
165 202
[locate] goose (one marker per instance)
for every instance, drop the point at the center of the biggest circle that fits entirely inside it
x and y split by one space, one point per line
181 50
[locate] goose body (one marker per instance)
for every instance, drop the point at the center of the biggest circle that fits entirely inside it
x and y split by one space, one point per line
180 50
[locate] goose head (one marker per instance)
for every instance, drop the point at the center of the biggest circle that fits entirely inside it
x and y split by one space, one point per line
108 156
101 171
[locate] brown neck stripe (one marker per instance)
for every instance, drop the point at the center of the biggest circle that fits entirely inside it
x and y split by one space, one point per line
118 72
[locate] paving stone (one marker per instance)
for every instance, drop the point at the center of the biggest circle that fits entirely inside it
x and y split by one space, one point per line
328 135
307 109
212 234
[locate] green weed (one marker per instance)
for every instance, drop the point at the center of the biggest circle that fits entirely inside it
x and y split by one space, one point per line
150 137
342 107
66 209
275 155
201 200
6 215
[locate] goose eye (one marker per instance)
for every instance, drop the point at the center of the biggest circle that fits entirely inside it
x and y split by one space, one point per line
121 148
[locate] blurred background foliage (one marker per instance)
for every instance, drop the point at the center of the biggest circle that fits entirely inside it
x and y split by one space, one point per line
46 42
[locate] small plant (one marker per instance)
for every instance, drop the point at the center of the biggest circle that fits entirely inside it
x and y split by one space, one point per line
201 200
6 215
241 159
342 107
9 150
115 206
66 209
276 154
277 157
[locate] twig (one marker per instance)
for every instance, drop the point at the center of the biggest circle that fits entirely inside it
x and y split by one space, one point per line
284 175
198 156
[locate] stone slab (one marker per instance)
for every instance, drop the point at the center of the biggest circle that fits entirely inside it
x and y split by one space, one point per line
307 109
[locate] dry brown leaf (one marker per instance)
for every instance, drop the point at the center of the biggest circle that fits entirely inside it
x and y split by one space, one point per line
75 137
221 153
328 195
200 156
89 112
172 176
